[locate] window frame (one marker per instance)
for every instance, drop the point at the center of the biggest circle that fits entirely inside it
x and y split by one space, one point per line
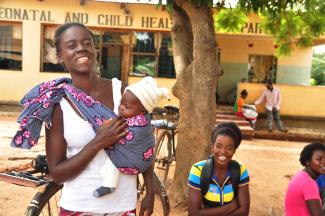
20 24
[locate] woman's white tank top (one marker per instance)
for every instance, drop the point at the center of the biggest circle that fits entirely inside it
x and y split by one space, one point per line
77 193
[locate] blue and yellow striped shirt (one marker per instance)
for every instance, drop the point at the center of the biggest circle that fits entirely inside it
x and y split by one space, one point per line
217 195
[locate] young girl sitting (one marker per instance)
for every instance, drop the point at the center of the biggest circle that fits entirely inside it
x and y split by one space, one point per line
245 110
238 108
137 101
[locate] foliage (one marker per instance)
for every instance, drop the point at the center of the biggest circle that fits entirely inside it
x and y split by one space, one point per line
229 20
291 22
312 82
318 69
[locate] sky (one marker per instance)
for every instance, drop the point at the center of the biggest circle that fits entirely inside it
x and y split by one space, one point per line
319 49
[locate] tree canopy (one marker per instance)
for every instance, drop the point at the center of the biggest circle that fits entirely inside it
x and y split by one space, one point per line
291 23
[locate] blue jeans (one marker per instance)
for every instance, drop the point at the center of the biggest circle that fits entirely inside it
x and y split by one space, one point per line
274 114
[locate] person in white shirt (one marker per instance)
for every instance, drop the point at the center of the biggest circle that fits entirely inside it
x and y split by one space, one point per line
272 98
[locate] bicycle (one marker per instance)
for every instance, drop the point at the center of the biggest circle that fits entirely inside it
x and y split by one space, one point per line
45 201
165 146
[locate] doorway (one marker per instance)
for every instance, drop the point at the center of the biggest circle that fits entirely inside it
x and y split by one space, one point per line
111 61
264 68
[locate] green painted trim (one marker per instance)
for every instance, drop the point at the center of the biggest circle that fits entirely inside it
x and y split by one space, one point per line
293 75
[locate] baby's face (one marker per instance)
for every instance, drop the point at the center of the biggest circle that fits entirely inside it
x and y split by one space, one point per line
130 105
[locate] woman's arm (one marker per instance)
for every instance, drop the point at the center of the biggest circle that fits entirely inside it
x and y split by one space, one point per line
243 201
314 207
147 203
60 167
195 205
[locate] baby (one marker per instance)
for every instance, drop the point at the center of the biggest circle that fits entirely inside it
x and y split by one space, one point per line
137 101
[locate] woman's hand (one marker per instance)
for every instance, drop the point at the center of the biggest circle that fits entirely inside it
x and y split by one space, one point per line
110 132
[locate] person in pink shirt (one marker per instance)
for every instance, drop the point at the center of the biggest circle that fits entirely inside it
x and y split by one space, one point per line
302 197
272 98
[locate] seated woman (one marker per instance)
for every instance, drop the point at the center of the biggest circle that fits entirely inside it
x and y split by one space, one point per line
223 193
247 111
302 197
238 107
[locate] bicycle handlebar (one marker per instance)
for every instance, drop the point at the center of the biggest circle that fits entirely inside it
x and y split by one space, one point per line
163 124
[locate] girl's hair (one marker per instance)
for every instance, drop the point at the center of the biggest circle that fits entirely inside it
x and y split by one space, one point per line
59 31
229 129
308 151
244 92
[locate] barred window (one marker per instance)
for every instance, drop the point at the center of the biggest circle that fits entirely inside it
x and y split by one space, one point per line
166 66
152 55
10 46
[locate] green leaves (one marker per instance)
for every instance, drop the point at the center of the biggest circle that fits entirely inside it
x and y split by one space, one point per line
291 22
229 20
296 25
318 69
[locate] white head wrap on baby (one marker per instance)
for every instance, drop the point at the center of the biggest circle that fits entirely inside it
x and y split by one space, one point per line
148 92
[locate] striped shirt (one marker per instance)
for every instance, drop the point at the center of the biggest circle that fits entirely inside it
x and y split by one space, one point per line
217 195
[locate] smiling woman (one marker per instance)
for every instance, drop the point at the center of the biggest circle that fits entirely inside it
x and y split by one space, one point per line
224 190
302 196
80 126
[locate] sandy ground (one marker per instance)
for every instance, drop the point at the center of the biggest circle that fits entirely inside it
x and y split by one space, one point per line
270 165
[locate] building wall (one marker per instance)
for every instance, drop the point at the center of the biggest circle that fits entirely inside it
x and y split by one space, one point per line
296 68
234 47
296 100
293 69
14 84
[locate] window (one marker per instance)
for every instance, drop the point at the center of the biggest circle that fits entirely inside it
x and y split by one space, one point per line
152 55
143 57
144 65
114 53
50 61
10 46
262 68
166 66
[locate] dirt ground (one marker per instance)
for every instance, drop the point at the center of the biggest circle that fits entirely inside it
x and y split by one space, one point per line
270 165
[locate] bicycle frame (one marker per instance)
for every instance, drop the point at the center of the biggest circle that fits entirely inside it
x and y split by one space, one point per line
47 189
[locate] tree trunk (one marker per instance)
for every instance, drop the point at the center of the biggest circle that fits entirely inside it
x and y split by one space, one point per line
194 49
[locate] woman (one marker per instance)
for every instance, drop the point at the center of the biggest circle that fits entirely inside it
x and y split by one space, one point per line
222 197
75 152
302 197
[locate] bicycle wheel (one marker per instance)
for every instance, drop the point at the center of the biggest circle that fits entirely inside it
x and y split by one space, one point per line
163 155
161 207
45 202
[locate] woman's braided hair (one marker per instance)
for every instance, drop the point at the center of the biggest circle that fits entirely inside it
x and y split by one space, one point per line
229 129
